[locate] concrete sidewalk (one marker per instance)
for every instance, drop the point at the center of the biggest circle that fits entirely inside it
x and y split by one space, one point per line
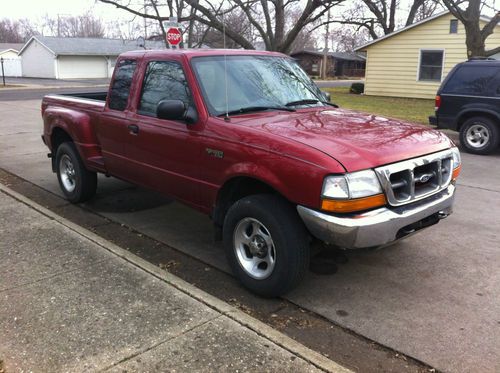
71 301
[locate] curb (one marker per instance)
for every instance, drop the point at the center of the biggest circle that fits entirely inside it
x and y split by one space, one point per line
262 329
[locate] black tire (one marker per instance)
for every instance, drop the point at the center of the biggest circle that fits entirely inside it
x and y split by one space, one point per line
486 128
83 183
290 241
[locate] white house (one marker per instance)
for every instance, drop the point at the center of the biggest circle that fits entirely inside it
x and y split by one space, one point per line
11 60
75 58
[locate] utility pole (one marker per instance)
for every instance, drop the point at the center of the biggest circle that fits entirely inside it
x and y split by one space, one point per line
324 70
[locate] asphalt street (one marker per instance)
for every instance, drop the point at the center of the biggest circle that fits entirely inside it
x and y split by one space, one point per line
434 296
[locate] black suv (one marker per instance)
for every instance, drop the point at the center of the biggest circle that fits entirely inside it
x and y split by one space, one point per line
468 101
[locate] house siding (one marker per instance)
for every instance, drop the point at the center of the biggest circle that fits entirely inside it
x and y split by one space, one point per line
8 54
392 64
38 61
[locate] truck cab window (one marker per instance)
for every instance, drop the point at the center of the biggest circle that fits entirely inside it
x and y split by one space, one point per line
164 80
120 87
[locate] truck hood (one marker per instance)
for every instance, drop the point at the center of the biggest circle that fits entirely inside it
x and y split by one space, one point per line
356 140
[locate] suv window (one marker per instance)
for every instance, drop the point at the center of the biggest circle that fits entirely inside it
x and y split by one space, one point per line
471 80
164 80
120 88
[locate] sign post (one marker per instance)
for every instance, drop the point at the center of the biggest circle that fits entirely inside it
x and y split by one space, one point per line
174 36
3 73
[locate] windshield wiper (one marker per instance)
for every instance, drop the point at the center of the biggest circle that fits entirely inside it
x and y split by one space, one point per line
310 101
306 101
255 108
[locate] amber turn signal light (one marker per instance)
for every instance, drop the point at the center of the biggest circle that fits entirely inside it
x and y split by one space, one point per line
456 172
352 205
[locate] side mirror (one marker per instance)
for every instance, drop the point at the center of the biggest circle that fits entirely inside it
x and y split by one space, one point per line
327 96
171 110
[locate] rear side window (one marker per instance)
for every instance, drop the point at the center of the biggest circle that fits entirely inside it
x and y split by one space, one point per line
120 88
471 80
164 80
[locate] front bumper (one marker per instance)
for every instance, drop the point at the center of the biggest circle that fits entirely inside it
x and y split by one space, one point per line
378 227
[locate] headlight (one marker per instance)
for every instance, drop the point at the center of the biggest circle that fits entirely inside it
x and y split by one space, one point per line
352 192
457 163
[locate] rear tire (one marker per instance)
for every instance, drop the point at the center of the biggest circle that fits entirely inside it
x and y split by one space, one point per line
266 244
480 135
77 183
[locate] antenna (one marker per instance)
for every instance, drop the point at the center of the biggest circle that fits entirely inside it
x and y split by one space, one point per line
226 118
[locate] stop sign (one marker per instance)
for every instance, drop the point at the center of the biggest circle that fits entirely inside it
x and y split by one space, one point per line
174 36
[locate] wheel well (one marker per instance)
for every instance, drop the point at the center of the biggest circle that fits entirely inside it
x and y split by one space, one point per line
57 138
464 117
234 190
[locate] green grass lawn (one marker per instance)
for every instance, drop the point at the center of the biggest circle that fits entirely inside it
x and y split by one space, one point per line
410 109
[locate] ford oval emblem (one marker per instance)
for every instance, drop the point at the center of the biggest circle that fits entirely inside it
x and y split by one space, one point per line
424 178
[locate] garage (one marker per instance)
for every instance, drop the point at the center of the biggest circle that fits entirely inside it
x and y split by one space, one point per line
76 58
81 67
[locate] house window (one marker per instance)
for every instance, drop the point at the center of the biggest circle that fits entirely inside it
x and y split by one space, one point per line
431 65
453 26
314 68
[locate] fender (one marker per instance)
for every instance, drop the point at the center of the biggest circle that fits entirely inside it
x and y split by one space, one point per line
284 180
77 125
479 109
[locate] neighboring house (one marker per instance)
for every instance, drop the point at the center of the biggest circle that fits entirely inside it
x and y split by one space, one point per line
75 58
11 60
9 50
338 63
413 61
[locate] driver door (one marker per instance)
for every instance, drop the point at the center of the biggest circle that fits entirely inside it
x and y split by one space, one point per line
166 153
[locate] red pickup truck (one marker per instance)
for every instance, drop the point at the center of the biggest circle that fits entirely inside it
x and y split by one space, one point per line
249 139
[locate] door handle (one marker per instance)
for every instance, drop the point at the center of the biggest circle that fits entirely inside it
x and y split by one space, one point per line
133 129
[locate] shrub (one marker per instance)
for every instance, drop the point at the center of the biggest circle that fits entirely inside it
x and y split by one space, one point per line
357 88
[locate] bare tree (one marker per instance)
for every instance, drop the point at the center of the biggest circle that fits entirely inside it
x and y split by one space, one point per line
346 39
15 31
84 26
469 13
268 19
380 17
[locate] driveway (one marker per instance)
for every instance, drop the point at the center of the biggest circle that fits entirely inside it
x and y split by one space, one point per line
434 296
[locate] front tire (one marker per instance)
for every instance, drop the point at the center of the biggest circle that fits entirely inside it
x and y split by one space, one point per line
77 183
479 135
266 244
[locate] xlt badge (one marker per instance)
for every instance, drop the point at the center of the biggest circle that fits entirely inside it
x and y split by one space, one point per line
215 153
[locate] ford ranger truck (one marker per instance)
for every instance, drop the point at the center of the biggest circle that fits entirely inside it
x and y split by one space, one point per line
247 138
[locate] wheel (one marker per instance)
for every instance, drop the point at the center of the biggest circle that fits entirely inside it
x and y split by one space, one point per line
77 183
266 244
479 135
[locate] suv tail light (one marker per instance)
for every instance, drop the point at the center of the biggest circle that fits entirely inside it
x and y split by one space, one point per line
437 103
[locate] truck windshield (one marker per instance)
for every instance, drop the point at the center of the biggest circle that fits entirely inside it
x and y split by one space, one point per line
253 82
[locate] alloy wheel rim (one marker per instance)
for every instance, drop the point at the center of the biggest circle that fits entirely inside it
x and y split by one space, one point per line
477 135
68 173
254 248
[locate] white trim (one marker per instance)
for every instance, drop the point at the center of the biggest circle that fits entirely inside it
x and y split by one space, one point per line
360 48
419 61
56 67
29 42
8 50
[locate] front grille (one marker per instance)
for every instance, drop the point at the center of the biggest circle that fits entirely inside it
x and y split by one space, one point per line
416 178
